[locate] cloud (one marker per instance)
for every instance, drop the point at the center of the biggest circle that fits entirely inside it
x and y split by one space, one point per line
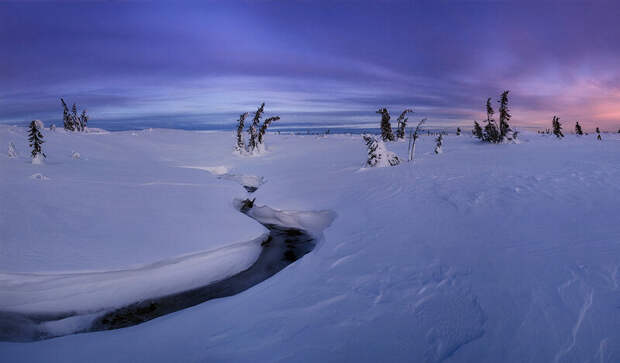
203 62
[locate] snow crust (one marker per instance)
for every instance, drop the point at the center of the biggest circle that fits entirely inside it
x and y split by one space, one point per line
311 221
488 253
88 292
126 203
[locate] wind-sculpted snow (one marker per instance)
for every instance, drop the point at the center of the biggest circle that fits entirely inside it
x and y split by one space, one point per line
36 306
447 316
250 182
58 304
489 253
311 221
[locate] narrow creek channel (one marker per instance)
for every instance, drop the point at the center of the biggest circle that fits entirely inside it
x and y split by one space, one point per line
282 247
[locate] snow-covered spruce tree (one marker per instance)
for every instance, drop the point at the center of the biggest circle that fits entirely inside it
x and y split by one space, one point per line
371 144
36 139
71 120
458 131
386 128
378 155
83 120
253 131
491 133
256 131
504 116
264 126
402 124
557 127
439 144
74 118
12 153
240 145
578 129
66 117
412 139
53 128
490 111
477 131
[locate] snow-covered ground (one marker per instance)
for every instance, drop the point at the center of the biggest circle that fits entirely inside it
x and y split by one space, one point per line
484 253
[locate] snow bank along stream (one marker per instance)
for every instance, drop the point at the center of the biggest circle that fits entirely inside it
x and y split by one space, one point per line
70 304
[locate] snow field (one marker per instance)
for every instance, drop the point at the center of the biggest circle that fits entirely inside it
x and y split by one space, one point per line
484 253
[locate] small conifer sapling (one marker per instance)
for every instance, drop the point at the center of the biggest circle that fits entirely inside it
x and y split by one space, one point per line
240 146
386 127
491 133
74 118
66 117
439 144
578 129
402 124
264 126
83 120
36 139
253 131
477 131
504 117
378 155
557 127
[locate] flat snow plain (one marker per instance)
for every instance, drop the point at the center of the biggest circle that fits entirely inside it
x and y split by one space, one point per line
484 253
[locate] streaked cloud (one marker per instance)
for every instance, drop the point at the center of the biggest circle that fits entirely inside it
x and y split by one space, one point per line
197 63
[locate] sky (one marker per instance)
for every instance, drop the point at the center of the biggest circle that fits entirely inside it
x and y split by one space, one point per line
196 64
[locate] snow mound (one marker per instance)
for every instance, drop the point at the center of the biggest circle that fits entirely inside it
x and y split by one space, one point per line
215 170
81 293
38 159
313 222
252 181
39 124
94 130
223 172
378 154
39 176
12 153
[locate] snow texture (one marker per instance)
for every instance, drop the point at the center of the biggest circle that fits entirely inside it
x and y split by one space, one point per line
408 271
38 159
